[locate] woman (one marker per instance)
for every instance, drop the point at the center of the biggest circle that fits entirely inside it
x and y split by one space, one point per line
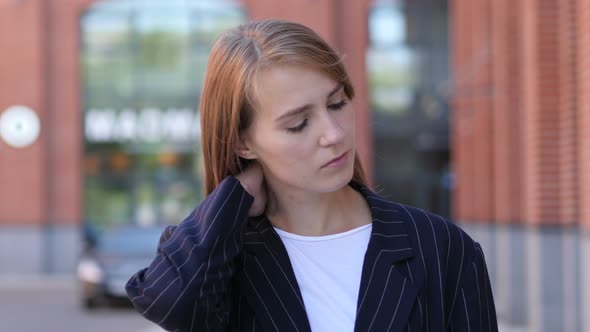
289 237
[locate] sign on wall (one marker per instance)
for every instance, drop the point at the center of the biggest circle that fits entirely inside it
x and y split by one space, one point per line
19 126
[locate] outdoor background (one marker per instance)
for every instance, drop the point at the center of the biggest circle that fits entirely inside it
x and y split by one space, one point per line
478 110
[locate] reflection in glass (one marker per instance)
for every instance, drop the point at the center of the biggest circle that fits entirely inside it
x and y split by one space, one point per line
143 63
407 65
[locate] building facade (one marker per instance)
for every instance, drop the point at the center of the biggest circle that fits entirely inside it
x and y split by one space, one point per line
521 152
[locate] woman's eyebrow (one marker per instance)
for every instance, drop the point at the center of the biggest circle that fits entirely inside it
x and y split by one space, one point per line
306 107
294 111
336 89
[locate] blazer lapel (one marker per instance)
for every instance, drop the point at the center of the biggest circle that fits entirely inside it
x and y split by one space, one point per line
269 282
386 295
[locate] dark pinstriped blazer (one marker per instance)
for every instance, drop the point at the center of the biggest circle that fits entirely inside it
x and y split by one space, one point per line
219 270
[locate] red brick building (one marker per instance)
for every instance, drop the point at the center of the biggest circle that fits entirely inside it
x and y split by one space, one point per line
521 146
521 111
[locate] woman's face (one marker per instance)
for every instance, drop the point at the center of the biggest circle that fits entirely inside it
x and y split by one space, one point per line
303 122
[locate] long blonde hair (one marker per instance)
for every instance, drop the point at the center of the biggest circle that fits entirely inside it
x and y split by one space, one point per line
226 102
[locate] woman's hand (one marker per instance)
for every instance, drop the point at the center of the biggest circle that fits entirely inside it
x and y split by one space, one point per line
252 179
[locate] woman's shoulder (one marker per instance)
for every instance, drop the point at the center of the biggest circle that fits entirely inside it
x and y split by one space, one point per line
443 233
428 232
434 235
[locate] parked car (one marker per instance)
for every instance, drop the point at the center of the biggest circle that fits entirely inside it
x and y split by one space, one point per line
110 259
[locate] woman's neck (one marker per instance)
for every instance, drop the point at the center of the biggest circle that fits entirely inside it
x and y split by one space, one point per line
315 214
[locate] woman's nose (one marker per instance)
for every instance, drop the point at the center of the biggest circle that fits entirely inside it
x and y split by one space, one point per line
332 133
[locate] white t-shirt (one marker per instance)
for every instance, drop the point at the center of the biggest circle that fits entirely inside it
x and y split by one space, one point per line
328 270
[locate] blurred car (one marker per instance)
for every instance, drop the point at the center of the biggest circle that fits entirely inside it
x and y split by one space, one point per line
110 259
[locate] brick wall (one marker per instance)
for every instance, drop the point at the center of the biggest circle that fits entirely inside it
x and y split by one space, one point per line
22 74
521 105
582 72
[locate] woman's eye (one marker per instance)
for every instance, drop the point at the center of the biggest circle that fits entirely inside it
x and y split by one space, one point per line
298 128
338 105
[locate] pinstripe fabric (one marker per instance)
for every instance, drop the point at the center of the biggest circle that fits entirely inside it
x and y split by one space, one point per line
221 271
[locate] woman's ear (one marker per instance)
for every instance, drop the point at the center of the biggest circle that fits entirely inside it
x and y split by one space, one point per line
243 148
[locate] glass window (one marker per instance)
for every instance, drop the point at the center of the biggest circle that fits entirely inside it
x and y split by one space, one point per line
408 70
143 63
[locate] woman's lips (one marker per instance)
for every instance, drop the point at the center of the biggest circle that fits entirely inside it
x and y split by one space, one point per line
338 161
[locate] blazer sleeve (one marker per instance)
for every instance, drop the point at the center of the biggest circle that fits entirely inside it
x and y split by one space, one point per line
188 284
474 308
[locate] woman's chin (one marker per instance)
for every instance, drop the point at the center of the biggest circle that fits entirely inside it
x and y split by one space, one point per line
335 182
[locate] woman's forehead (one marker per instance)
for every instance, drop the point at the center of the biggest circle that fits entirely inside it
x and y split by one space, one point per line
279 88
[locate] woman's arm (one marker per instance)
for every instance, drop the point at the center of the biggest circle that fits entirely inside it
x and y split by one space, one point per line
187 286
474 308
